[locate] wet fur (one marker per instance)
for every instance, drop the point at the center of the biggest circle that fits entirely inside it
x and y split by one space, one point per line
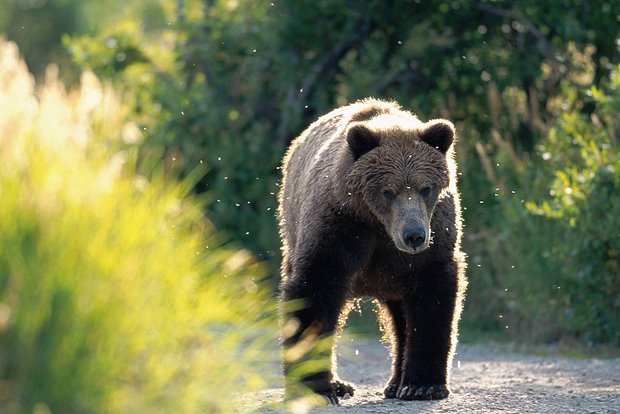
338 242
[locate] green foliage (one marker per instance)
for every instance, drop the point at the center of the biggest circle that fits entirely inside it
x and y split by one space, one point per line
38 26
115 294
548 269
114 52
582 151
205 109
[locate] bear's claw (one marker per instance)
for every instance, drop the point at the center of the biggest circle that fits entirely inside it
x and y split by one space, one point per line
423 392
330 397
338 389
391 391
342 388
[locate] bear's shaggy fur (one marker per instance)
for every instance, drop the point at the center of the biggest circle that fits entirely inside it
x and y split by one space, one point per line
369 208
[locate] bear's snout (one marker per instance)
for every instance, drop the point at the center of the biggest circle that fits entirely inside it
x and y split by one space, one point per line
411 239
409 228
414 237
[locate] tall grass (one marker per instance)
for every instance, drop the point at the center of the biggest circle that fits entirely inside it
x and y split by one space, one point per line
115 294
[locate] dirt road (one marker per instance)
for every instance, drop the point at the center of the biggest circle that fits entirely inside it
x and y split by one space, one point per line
484 380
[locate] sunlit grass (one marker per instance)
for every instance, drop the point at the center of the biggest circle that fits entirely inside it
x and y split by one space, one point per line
115 294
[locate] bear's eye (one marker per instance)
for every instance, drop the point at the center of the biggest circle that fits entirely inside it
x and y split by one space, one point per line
425 192
388 194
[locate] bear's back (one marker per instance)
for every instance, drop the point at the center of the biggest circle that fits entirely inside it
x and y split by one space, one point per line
322 143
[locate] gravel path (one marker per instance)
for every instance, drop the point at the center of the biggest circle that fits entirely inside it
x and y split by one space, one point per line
485 379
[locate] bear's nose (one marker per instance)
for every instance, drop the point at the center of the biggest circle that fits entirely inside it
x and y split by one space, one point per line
414 237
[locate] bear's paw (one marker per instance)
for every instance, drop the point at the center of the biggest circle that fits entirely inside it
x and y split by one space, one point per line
424 392
341 389
391 391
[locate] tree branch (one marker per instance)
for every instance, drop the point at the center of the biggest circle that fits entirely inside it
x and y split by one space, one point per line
328 63
544 45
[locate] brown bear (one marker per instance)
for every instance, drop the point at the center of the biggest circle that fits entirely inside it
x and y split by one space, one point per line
369 207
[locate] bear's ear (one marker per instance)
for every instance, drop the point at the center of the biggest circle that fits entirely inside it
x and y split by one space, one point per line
361 140
439 134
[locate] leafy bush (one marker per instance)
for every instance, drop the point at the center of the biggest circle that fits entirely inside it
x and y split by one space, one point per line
115 294
583 154
545 252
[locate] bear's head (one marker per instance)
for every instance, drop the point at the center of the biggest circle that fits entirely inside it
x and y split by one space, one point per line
398 173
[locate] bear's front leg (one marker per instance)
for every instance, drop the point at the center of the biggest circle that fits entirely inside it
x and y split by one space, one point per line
395 327
311 306
429 310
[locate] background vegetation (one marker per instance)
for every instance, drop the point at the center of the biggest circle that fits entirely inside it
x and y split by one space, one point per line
226 85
